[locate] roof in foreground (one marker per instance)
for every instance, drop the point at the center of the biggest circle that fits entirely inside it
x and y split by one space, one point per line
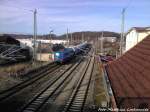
130 74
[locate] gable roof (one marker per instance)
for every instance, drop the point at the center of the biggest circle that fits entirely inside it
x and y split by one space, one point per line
130 74
139 29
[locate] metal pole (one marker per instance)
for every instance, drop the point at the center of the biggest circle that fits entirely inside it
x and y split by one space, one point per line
71 39
35 36
82 37
50 38
102 43
67 38
40 43
96 45
122 31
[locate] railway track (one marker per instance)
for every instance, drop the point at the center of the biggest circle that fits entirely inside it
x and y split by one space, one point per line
77 99
37 75
53 88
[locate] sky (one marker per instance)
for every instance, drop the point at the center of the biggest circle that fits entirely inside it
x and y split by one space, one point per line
16 16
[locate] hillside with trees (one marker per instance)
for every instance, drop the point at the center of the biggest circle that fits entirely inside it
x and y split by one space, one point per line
86 34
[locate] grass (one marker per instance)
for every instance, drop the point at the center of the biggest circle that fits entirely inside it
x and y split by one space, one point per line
6 73
19 68
100 95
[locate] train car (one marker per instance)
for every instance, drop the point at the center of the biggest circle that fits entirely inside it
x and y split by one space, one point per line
66 54
63 55
57 47
81 48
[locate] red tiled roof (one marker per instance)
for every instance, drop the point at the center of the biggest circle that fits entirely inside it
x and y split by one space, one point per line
130 75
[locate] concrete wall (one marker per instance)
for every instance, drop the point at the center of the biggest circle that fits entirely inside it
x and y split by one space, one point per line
141 36
131 39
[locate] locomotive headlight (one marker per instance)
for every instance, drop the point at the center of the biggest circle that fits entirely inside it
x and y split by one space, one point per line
57 54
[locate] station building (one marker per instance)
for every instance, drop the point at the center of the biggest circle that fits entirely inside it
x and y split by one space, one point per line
135 35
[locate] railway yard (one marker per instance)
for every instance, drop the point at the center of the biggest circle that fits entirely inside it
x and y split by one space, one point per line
74 56
70 87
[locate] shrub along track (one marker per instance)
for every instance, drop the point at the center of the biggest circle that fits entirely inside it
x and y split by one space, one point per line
49 87
53 88
22 92
35 75
18 96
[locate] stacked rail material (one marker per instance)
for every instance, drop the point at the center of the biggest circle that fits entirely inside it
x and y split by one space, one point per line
81 48
10 50
130 77
5 39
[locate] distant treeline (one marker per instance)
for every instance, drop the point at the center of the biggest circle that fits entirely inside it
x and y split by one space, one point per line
79 35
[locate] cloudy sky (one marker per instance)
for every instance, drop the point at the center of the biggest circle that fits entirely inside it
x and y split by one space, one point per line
16 16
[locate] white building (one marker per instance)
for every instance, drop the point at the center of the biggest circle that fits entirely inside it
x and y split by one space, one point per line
41 56
29 42
135 35
25 42
110 39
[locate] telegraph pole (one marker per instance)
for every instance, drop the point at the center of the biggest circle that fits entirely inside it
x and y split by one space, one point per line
122 31
35 35
67 38
82 37
50 37
71 39
102 43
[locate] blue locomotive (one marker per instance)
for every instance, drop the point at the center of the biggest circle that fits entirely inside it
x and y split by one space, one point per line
63 55
66 54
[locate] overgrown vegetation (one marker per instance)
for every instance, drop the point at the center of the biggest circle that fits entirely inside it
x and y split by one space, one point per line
19 68
100 96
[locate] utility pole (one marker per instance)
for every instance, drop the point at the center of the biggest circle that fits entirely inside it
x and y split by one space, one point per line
40 43
88 39
96 42
82 37
71 41
102 43
67 38
35 35
122 31
50 37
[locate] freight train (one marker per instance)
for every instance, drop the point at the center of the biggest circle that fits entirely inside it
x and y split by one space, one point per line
67 54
